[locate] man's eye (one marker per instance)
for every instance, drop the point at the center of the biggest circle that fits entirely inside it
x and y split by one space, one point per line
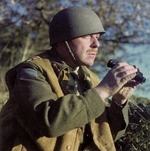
87 36
98 37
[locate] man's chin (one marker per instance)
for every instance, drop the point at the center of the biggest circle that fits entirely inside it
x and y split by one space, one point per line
89 64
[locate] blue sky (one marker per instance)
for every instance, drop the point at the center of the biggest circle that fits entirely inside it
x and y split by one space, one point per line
140 56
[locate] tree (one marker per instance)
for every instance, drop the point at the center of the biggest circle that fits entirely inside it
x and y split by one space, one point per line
24 27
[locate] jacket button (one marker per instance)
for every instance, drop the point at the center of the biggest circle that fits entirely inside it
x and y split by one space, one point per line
68 147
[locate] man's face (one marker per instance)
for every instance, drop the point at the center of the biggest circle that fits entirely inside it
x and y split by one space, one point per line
85 48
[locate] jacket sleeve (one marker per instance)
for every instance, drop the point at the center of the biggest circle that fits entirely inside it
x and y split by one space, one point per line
118 119
44 112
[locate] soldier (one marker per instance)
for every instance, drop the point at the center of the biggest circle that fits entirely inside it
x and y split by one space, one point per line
56 102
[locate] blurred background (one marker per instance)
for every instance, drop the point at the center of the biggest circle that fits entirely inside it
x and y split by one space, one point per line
24 33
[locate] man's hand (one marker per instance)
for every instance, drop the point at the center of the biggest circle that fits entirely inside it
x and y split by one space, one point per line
117 81
125 92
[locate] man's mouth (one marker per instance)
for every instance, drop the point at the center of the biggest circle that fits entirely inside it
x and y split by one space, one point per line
92 52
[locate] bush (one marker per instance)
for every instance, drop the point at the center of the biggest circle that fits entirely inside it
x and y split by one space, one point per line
137 137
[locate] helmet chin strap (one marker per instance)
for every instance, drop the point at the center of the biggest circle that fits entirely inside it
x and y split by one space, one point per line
71 54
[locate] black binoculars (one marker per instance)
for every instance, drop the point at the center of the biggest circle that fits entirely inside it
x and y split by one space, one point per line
139 76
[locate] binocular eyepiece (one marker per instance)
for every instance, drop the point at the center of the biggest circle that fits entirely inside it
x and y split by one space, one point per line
139 76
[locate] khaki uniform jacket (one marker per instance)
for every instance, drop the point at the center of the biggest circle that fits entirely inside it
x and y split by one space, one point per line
43 114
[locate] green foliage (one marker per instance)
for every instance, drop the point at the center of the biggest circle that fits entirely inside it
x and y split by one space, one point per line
137 136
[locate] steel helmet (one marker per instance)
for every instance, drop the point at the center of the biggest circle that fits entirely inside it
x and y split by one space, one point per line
74 22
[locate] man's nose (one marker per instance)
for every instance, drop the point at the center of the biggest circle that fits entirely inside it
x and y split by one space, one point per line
95 43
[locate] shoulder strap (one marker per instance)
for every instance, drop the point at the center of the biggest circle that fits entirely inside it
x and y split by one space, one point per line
46 68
